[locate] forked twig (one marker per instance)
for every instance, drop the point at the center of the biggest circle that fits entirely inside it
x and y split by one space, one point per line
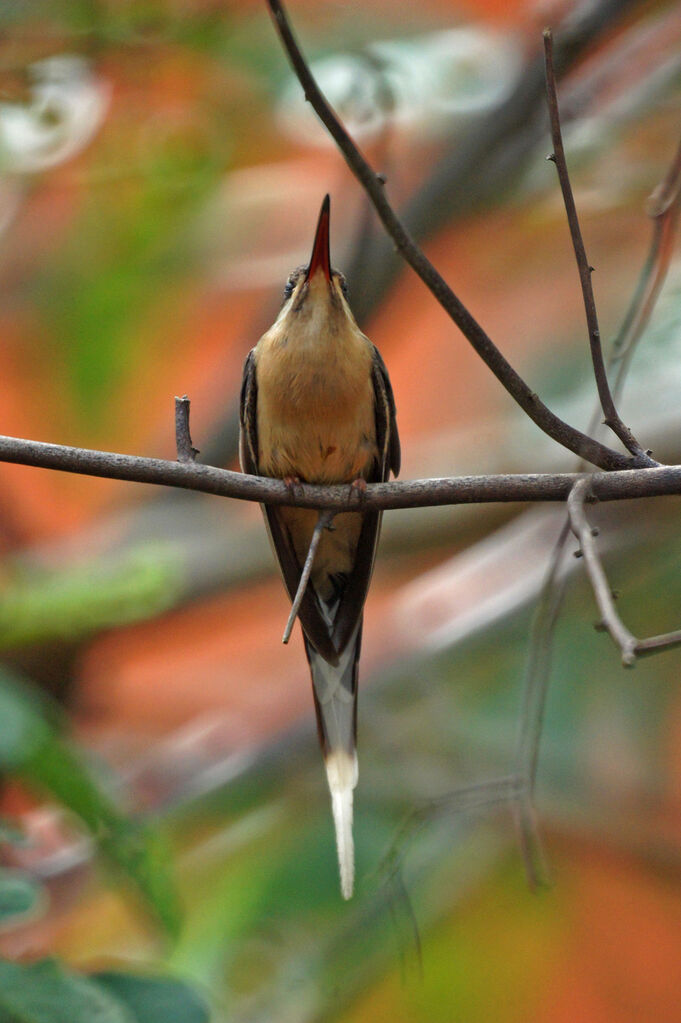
563 433
612 417
663 206
324 520
629 645
599 583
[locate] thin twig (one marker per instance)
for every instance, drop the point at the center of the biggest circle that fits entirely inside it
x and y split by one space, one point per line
532 713
183 441
324 520
653 644
612 418
425 493
663 207
531 849
599 583
398 890
478 165
576 441
539 662
477 795
630 646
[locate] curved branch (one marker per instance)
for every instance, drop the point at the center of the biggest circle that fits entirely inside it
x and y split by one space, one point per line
477 168
426 493
566 435
630 646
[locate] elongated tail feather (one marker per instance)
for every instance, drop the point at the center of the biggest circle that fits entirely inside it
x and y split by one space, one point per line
335 697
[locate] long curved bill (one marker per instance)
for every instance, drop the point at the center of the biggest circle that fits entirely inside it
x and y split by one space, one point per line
321 252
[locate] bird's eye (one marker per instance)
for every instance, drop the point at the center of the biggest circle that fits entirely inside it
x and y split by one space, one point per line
293 279
343 283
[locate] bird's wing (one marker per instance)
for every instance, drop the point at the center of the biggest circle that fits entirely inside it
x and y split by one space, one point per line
386 423
311 616
354 593
248 418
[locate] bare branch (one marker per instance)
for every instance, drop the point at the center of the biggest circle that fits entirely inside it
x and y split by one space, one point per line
576 441
183 441
667 192
477 795
323 522
426 493
539 662
630 646
663 208
599 583
612 418
653 644
534 860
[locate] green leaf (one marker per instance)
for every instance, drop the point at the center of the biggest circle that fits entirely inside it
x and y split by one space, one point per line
20 896
44 992
31 746
22 728
155 999
138 850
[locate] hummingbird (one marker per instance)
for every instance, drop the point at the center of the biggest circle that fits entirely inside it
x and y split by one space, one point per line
317 407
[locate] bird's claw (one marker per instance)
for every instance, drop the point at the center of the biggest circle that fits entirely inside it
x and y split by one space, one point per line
358 487
291 482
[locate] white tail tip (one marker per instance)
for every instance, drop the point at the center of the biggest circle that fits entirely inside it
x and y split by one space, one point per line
341 771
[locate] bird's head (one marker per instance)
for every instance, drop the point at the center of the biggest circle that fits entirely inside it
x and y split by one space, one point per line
317 292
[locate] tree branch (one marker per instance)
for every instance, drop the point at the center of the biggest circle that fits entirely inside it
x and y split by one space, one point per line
663 208
477 168
426 493
629 645
324 521
566 435
183 440
612 418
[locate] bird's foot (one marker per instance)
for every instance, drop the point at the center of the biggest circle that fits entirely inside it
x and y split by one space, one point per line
358 487
291 482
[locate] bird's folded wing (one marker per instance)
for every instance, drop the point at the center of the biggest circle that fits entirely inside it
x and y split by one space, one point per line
388 444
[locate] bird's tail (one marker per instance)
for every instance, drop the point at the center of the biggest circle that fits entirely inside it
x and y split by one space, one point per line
335 698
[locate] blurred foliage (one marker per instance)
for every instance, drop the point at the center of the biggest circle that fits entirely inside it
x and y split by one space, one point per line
21 897
265 927
32 748
45 992
81 599
124 257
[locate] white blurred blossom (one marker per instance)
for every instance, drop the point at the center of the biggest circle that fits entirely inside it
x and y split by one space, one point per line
425 85
67 106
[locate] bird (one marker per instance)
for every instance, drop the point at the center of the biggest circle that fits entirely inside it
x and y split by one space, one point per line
317 406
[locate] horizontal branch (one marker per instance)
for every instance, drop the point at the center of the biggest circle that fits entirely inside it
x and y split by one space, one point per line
606 486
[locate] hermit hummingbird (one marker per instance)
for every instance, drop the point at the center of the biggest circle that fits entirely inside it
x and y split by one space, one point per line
317 407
